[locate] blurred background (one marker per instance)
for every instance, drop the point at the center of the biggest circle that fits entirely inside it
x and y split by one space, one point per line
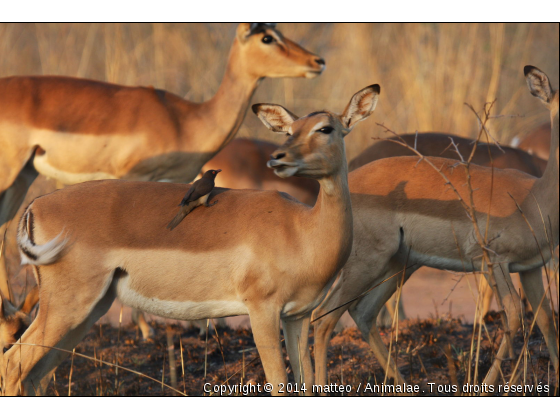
426 71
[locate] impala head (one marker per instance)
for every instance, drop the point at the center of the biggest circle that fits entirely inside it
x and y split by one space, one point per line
315 147
540 86
15 320
268 53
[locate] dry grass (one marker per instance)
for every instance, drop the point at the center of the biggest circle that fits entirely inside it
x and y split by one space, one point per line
426 71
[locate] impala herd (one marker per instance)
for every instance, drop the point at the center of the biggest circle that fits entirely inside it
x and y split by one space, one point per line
331 241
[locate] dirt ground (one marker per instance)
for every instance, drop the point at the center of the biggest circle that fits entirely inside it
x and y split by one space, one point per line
432 351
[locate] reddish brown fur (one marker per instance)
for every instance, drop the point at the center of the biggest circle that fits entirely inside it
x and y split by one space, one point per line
537 142
439 145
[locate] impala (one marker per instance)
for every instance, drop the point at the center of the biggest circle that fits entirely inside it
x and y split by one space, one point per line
406 215
243 163
439 145
260 253
77 130
537 142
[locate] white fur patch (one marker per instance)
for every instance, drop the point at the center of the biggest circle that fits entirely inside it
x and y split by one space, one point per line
46 254
183 310
45 168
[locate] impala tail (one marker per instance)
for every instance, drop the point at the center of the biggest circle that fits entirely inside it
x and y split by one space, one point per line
34 254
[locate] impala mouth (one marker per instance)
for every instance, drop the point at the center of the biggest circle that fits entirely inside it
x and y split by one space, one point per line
310 74
283 169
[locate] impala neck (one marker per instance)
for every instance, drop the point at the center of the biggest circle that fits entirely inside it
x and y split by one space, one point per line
224 113
546 189
332 220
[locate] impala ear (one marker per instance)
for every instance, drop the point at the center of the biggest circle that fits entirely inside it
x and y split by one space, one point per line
6 308
360 106
31 300
244 31
538 83
275 117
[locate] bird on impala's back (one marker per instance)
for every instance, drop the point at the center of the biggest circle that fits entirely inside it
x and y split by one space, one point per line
197 195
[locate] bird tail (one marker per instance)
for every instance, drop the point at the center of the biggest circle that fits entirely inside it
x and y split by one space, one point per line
186 209
176 220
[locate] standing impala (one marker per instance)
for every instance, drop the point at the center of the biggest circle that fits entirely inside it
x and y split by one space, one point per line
260 253
439 145
77 130
406 215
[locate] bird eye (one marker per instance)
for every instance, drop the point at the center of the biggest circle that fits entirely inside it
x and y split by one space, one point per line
267 39
326 130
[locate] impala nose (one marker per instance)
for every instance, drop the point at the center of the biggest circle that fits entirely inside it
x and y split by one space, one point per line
278 156
320 61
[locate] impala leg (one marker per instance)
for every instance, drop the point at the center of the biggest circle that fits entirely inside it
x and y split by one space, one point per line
532 283
486 295
139 319
265 324
510 302
387 313
365 314
324 328
327 315
296 334
11 197
32 366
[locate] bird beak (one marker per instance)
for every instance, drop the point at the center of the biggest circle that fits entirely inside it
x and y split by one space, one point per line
218 170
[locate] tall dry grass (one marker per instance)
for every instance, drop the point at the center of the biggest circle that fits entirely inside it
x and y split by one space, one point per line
426 71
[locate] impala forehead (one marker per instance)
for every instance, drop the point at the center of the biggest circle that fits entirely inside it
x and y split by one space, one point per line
311 123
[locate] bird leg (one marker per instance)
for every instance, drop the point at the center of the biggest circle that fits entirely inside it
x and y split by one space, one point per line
207 204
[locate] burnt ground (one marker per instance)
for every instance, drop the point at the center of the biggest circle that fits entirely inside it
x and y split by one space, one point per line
428 351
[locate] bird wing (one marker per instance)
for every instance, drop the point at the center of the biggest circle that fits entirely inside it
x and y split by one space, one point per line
199 189
188 195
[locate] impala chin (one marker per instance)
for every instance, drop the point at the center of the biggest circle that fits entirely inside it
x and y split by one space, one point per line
283 169
313 73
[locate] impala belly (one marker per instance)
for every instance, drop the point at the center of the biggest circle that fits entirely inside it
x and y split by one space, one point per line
183 310
72 158
182 285
69 178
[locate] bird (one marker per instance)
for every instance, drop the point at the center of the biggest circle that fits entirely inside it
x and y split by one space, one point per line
197 195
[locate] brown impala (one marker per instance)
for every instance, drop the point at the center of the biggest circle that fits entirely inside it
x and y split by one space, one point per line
407 215
260 253
77 130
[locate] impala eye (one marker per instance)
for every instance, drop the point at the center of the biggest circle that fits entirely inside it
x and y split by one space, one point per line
326 130
267 39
